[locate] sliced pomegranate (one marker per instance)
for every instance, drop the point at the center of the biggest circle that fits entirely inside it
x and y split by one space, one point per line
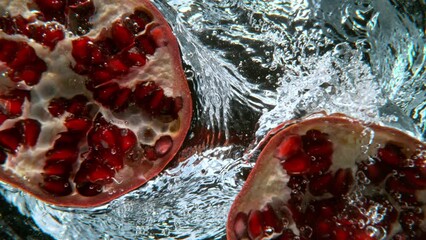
333 177
93 100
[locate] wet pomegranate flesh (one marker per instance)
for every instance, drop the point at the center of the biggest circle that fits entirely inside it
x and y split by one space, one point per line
334 178
93 99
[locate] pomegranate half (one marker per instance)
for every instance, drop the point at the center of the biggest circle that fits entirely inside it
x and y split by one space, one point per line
93 98
333 177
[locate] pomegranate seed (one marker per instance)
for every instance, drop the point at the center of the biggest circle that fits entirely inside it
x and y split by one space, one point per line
128 140
30 130
89 189
117 66
77 105
290 146
376 172
3 118
341 234
123 99
146 44
319 165
3 156
92 171
51 36
324 148
240 225
68 140
414 178
100 76
343 180
78 124
57 186
10 139
112 160
323 229
391 154
144 90
149 153
320 184
137 21
255 228
24 55
163 145
12 106
394 184
135 59
51 5
121 35
106 94
298 164
80 49
58 168
7 50
156 99
57 106
271 220
68 154
30 76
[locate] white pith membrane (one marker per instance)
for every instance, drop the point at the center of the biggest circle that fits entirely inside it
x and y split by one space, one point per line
353 142
61 81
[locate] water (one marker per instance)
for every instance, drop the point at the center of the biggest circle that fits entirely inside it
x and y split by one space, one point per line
251 65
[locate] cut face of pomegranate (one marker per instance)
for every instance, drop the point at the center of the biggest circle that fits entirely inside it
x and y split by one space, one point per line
93 98
333 177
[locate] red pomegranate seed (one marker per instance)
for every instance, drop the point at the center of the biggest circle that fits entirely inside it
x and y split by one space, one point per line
391 154
7 50
60 168
57 106
144 90
12 106
92 171
324 148
149 153
298 164
240 225
30 130
117 66
121 35
137 21
271 220
128 140
80 49
77 105
343 181
3 156
320 184
376 172
135 58
100 76
394 184
3 118
68 154
111 158
255 224
78 124
323 228
10 139
30 76
57 186
163 145
68 140
414 178
290 146
25 55
341 234
51 5
156 99
89 189
146 44
51 35
106 94
123 99
319 165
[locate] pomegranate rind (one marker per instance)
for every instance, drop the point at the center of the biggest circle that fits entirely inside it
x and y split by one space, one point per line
132 177
268 180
